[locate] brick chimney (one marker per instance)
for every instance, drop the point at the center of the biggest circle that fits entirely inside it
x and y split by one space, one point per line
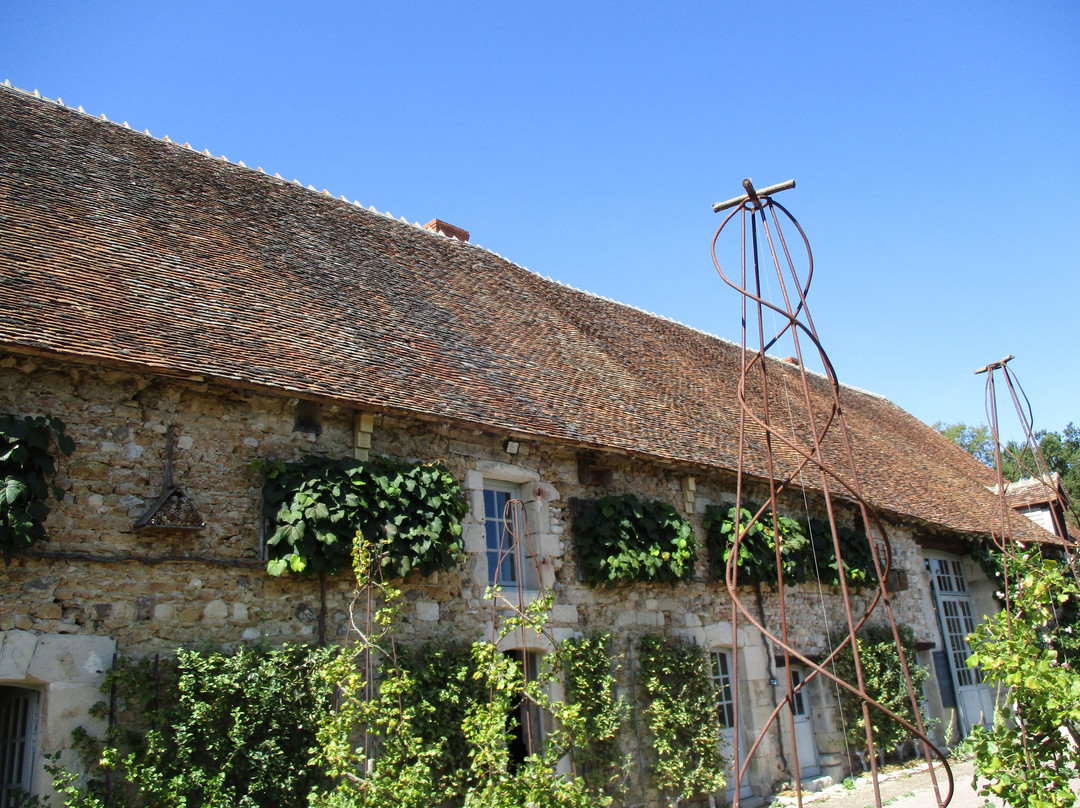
448 230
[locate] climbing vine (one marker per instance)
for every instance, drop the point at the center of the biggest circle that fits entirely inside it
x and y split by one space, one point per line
884 680
213 728
757 548
441 735
314 508
624 538
26 468
805 547
595 712
855 549
681 711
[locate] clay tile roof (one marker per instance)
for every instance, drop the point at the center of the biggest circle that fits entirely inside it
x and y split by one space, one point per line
1031 491
121 248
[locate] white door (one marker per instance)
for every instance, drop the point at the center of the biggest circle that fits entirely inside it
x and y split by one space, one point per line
974 699
804 727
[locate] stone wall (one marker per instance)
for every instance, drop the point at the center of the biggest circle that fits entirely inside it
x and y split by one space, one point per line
152 591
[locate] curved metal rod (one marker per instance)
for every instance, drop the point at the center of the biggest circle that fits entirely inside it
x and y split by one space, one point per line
793 311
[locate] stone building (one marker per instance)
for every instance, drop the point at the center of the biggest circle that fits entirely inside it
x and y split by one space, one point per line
179 311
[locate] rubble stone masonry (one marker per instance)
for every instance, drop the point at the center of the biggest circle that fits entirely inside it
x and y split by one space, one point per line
151 591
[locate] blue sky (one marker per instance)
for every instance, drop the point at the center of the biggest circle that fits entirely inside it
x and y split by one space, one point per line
936 147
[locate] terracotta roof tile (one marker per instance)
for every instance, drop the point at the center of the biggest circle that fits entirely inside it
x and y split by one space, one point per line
119 247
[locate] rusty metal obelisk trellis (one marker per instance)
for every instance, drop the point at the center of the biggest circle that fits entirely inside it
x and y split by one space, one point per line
794 443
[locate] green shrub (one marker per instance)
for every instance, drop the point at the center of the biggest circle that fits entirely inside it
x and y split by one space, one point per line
681 711
1031 753
215 730
595 714
883 677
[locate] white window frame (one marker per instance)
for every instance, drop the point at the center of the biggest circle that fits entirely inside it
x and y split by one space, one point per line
506 561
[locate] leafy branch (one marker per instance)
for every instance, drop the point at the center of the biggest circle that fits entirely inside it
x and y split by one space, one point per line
26 468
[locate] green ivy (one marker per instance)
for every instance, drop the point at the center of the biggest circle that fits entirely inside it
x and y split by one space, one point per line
883 677
432 712
314 508
26 466
681 711
805 546
855 548
757 548
444 685
623 538
216 730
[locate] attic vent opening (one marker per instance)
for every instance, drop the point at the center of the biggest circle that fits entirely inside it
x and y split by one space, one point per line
446 229
592 472
308 418
173 510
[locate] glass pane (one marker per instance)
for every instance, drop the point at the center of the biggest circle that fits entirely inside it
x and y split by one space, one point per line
799 706
17 717
725 702
501 554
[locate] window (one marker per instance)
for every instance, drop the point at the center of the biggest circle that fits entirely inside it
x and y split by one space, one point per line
508 561
949 575
725 719
725 696
956 618
18 726
959 623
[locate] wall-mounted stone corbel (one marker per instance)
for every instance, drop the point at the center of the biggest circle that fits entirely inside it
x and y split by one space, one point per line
363 427
689 489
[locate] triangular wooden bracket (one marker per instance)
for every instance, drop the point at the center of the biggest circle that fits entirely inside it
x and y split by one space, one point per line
173 510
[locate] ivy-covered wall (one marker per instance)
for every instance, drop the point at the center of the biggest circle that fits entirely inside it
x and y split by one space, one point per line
153 591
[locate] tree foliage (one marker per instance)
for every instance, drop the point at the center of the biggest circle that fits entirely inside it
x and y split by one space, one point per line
975 440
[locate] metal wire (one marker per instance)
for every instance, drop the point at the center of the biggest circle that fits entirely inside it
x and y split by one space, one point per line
781 461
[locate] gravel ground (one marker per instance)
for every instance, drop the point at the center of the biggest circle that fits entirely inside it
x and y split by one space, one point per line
909 788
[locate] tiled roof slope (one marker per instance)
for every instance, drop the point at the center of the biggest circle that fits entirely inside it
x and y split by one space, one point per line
118 247
1030 492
